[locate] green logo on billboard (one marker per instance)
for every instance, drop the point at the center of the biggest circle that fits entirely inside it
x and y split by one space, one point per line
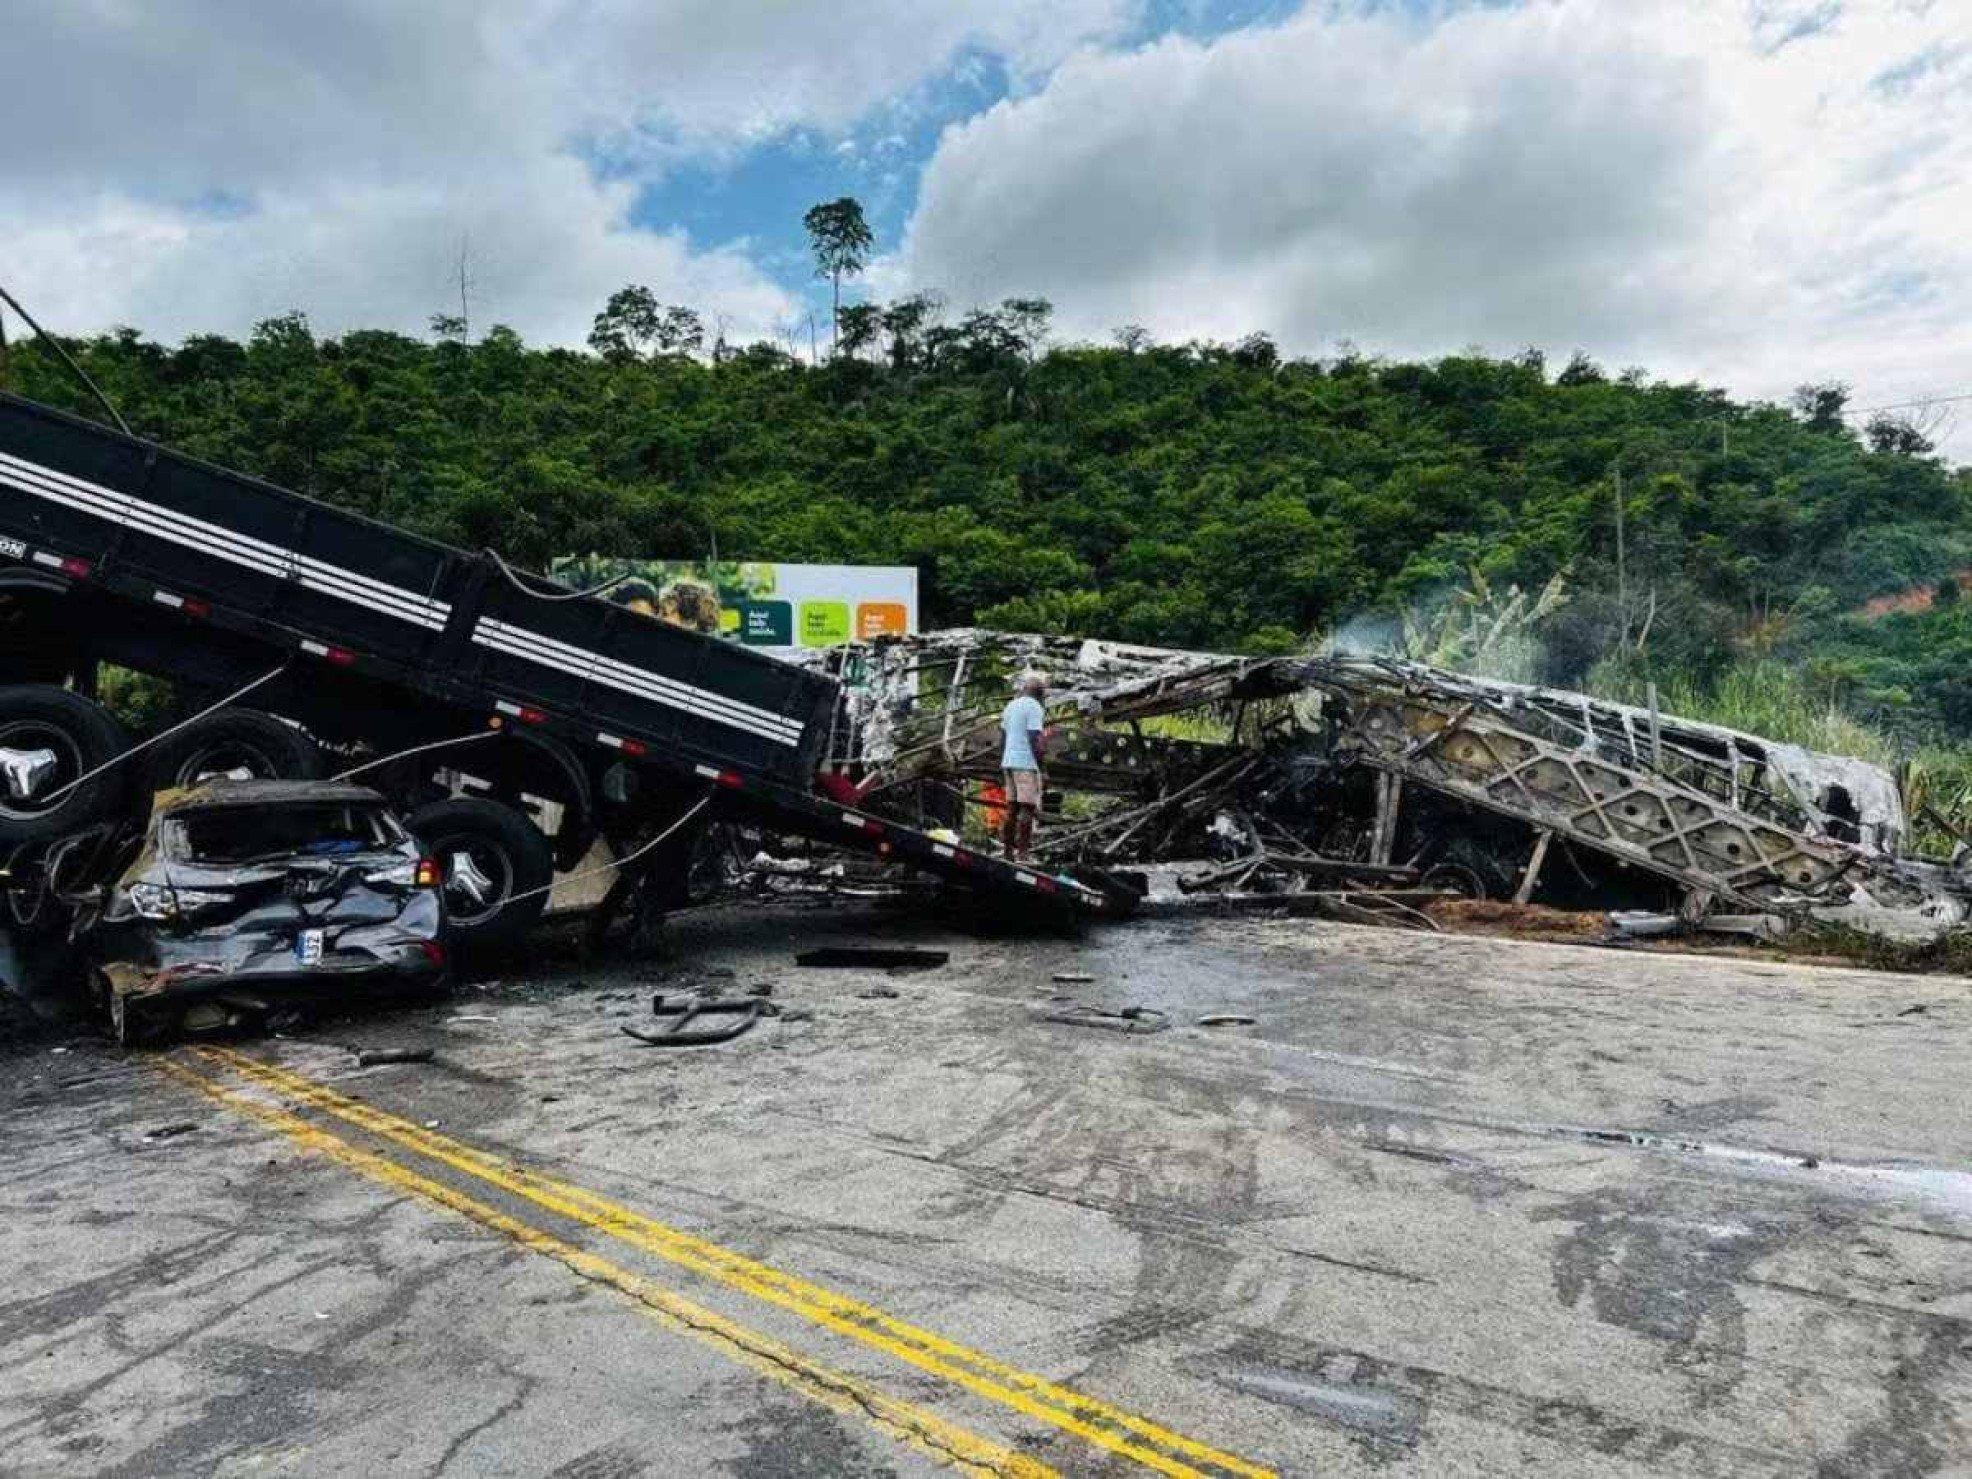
824 623
766 624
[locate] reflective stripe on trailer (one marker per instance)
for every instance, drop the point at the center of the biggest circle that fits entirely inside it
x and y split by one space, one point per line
222 543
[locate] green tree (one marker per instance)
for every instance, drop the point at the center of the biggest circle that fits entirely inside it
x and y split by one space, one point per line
628 324
1821 404
860 323
841 240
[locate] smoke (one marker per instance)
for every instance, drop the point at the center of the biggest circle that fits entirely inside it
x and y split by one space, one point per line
1368 634
1471 628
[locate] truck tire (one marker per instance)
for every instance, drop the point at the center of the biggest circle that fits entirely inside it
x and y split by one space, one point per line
238 742
489 854
37 720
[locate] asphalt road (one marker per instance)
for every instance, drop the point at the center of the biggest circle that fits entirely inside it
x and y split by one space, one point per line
1447 1205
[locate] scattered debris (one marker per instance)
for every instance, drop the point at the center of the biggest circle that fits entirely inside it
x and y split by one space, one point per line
872 957
1142 1020
1642 924
1521 921
377 1057
1225 1019
880 993
169 1132
724 1018
1072 978
1389 1420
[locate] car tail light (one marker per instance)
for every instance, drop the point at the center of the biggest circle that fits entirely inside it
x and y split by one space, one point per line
434 952
428 874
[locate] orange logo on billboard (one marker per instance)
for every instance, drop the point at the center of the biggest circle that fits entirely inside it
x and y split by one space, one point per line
881 619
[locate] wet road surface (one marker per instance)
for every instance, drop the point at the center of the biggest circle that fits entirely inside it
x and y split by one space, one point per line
1448 1204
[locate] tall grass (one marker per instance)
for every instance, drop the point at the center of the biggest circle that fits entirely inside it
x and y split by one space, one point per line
1781 701
1762 696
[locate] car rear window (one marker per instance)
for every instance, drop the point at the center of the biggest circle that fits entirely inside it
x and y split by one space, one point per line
240 834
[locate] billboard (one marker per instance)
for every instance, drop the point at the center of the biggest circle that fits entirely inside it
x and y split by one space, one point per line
757 602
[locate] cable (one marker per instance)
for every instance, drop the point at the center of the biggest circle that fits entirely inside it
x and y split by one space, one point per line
464 739
614 863
124 755
81 374
528 590
1929 400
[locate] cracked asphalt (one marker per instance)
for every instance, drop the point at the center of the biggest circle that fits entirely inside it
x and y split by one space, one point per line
1450 1204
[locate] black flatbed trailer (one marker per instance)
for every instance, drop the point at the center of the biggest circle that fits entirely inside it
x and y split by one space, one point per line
164 564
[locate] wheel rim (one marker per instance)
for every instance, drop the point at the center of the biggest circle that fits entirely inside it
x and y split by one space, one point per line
27 898
228 759
32 737
1458 879
479 877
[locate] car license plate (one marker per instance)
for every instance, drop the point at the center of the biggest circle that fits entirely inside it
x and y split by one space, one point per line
308 947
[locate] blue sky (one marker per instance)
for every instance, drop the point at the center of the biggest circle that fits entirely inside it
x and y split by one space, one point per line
757 195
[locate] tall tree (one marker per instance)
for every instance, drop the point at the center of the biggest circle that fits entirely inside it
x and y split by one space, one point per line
679 330
1822 403
1027 320
841 241
628 322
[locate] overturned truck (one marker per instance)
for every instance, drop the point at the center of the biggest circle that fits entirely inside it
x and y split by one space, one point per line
1289 774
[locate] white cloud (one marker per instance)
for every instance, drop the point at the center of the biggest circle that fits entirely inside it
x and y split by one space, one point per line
541 257
195 165
1753 195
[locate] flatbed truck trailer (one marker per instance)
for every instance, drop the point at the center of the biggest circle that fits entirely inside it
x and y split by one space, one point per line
368 640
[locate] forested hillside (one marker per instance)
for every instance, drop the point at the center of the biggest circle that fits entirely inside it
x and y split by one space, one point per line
1200 495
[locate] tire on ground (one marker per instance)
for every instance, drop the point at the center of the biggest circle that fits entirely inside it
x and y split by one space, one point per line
80 735
1468 867
490 855
228 742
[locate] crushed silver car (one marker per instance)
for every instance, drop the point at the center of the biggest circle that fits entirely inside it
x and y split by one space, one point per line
247 895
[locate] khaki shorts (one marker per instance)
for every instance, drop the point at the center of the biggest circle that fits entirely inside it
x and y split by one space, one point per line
1023 787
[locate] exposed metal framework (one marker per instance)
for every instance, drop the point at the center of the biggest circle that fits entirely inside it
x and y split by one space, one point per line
1725 817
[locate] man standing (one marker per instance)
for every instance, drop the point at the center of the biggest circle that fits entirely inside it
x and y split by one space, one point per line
1024 724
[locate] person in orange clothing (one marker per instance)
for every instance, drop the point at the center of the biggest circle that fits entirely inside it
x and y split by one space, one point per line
993 807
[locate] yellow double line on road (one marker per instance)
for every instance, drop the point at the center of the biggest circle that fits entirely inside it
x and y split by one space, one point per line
1108 1427
905 1421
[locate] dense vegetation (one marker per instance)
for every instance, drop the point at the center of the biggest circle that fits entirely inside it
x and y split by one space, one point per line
1198 495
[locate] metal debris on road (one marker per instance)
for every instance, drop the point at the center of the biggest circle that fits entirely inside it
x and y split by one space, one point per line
1139 1020
377 1057
725 1018
871 957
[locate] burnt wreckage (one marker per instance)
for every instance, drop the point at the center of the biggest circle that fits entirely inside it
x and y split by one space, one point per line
1285 775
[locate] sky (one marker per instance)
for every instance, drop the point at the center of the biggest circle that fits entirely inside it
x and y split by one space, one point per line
1749 193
